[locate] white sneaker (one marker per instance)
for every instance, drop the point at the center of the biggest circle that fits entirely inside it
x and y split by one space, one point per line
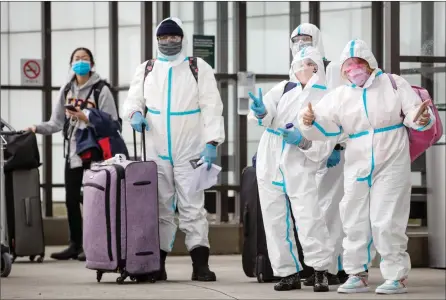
392 287
355 284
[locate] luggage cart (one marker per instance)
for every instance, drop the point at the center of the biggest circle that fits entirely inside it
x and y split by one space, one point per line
6 258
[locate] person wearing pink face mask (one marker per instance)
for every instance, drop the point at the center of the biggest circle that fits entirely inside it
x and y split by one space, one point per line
286 166
376 203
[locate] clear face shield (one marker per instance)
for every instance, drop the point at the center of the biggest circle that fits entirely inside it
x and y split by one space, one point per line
300 42
304 70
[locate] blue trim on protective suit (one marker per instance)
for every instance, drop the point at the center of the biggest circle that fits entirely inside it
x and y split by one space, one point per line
321 129
270 130
424 127
169 100
378 130
175 113
364 101
298 30
162 59
340 267
153 111
318 86
369 255
276 183
352 48
260 122
174 208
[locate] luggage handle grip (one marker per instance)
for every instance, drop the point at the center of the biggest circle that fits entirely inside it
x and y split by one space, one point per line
143 154
27 204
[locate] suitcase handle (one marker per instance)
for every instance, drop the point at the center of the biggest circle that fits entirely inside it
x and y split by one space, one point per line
143 154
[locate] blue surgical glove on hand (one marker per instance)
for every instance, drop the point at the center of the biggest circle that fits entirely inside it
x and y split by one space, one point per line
209 154
334 159
257 105
137 121
291 136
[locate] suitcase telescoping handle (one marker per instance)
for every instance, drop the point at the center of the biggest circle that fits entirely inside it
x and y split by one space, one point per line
143 154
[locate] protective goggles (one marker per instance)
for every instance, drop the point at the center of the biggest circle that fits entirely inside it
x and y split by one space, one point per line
169 38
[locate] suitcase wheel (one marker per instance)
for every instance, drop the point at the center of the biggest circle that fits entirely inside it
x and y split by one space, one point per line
40 259
260 278
6 264
32 257
98 276
120 280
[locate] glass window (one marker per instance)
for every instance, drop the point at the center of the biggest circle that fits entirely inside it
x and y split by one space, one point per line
255 43
210 11
186 12
5 58
63 45
210 28
410 28
188 30
439 86
129 13
129 53
174 9
276 38
5 105
440 29
19 51
304 7
277 8
356 23
101 14
102 52
58 162
255 9
336 6
72 15
5 16
25 16
25 109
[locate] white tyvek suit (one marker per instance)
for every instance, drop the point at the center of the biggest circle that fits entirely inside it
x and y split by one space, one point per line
376 203
286 169
329 180
183 116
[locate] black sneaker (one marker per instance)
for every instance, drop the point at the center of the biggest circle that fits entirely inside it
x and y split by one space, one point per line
162 274
332 280
200 266
81 256
343 277
72 252
288 283
320 281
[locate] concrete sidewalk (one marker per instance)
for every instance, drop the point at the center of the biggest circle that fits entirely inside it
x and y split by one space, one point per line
71 280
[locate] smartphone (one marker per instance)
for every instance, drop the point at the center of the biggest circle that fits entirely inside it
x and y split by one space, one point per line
194 163
70 107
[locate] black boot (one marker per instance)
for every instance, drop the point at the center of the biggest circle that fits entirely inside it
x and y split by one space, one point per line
288 283
332 280
72 252
200 265
81 256
342 276
320 281
162 274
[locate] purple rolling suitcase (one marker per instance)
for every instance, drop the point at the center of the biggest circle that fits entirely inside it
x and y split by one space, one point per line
120 217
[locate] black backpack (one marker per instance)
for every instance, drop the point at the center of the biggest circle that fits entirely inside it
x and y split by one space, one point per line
193 65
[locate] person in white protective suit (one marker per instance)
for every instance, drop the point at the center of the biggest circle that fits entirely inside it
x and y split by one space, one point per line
375 207
184 122
330 175
286 166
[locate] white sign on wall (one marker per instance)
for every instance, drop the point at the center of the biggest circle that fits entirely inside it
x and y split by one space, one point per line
31 72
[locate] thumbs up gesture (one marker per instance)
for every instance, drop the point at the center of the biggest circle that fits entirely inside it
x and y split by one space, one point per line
423 117
308 116
257 105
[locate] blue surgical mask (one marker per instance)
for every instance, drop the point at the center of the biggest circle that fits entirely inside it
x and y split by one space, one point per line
81 67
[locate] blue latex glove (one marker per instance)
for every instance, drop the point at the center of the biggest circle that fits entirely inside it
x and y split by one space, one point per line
209 154
137 121
291 136
257 105
334 159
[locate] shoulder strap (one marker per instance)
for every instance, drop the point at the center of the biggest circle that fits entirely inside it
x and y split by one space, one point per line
66 90
97 88
392 80
149 67
326 63
288 87
193 65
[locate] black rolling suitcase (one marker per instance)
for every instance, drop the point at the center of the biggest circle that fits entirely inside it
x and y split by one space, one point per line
255 258
22 195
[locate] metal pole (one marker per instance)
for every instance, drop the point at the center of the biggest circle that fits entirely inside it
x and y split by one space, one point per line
294 19
222 67
162 11
114 48
315 13
427 44
146 30
378 32
199 17
392 37
240 64
47 147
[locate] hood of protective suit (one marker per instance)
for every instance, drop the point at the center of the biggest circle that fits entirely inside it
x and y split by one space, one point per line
314 32
313 54
183 52
358 48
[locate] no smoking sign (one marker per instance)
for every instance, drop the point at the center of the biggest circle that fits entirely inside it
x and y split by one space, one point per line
31 72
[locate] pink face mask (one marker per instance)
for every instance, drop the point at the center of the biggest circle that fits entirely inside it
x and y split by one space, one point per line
357 74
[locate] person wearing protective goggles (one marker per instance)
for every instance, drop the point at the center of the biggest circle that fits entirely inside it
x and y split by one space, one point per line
376 204
329 177
287 166
184 123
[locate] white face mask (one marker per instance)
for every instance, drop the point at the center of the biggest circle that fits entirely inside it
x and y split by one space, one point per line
300 45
